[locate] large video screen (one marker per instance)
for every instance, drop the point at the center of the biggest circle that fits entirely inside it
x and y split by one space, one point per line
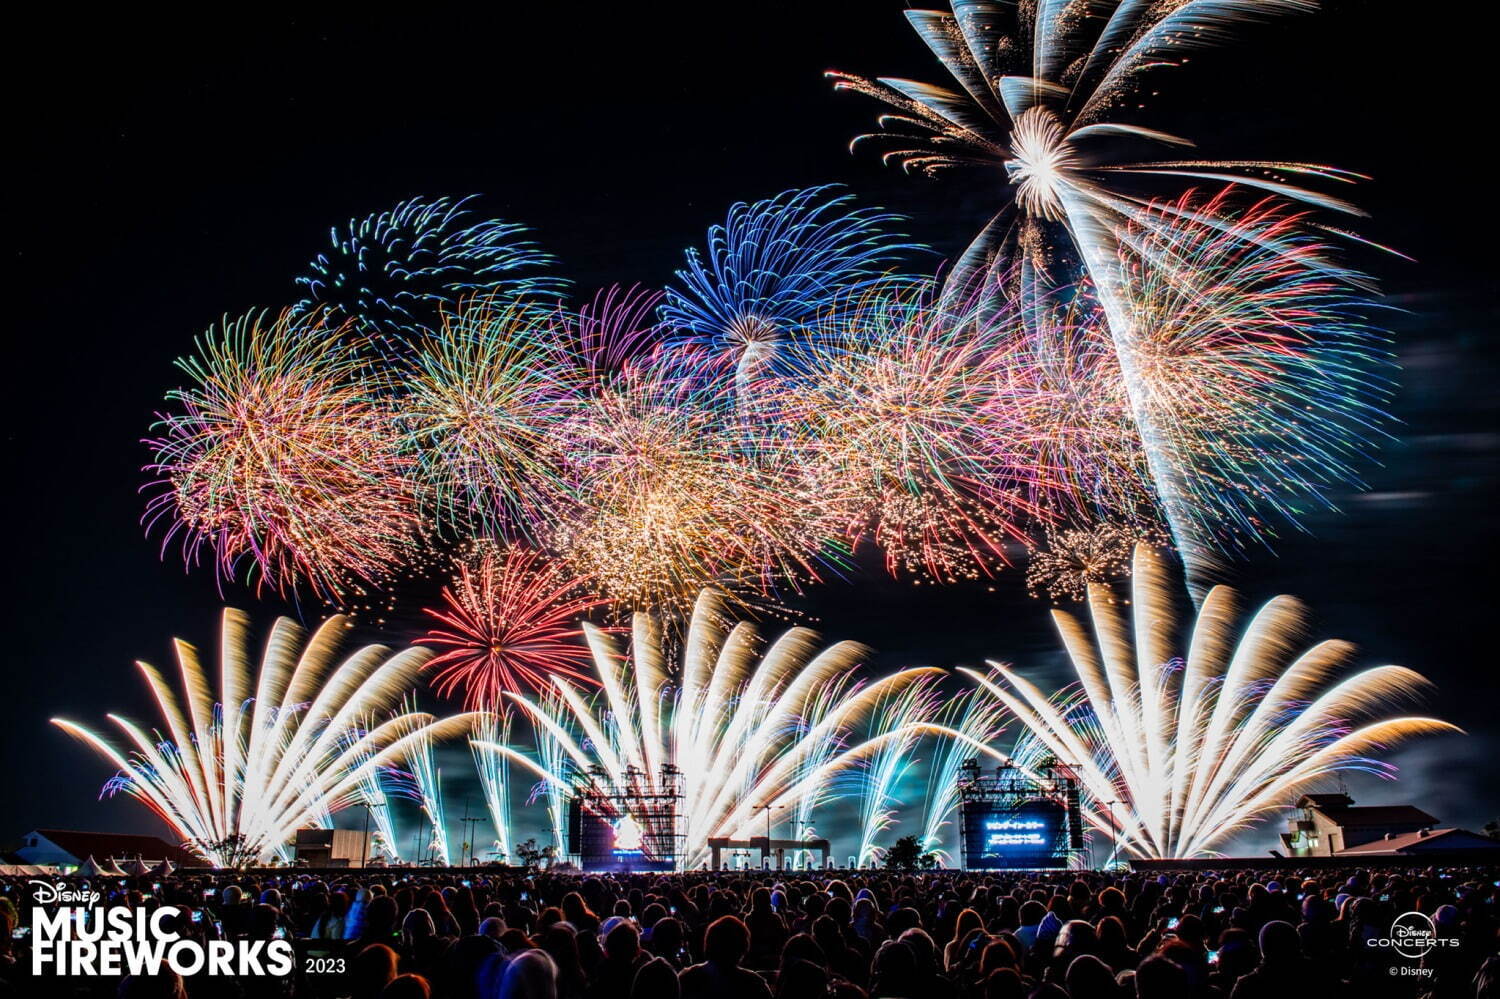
1033 834
616 845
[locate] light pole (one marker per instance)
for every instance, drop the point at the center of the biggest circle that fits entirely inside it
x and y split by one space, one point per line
1109 807
470 822
766 857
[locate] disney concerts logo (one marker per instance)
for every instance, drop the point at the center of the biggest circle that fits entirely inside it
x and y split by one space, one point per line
79 937
1413 936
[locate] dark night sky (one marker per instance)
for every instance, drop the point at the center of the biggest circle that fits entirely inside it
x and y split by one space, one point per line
169 173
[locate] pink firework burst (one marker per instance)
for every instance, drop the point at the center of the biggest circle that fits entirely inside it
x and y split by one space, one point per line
509 621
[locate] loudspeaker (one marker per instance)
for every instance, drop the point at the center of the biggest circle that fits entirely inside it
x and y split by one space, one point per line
1075 816
575 826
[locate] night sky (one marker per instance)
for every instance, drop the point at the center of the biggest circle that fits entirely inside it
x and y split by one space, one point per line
169 173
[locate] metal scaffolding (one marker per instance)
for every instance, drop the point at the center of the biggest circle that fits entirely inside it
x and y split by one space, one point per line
600 803
1009 790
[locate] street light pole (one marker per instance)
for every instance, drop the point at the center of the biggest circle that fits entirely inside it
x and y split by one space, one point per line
1113 847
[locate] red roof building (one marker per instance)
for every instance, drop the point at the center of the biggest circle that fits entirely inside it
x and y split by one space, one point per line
1421 841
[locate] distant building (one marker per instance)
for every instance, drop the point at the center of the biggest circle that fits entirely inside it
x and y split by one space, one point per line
70 848
1330 824
333 848
1422 841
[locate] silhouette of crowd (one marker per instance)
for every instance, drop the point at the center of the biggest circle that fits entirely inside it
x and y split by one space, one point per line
490 934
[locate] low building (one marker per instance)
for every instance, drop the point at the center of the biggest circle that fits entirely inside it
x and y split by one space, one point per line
333 848
68 848
1329 824
1423 841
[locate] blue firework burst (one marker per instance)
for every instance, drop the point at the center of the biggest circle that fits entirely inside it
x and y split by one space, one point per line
392 273
771 274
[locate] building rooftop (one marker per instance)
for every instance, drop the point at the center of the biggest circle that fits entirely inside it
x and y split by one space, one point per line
119 845
1429 839
1379 815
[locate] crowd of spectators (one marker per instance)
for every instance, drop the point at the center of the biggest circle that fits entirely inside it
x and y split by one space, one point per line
489 934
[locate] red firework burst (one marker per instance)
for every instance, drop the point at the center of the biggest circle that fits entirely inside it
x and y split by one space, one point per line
509 621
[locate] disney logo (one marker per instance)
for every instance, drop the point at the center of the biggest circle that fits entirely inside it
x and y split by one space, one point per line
47 893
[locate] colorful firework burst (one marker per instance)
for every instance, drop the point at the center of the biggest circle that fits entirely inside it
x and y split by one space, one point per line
390 274
1059 379
281 748
1190 748
1257 358
771 273
668 497
509 621
483 398
1040 85
278 460
899 430
615 329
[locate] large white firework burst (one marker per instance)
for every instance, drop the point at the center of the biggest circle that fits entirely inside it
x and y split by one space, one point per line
1177 750
748 731
278 748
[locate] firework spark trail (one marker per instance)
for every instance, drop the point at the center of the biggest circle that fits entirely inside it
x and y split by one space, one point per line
278 460
1260 363
903 428
371 796
1192 749
616 329
738 726
554 762
509 621
978 720
260 763
897 729
392 273
770 274
484 395
494 777
1036 101
803 812
428 778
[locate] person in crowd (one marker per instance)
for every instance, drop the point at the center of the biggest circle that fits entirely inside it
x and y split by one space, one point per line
719 976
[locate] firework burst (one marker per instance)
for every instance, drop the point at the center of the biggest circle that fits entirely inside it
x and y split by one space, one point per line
1192 748
279 461
1039 87
746 732
900 431
391 274
770 274
478 410
667 497
280 749
615 329
508 622
1257 358
1072 559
